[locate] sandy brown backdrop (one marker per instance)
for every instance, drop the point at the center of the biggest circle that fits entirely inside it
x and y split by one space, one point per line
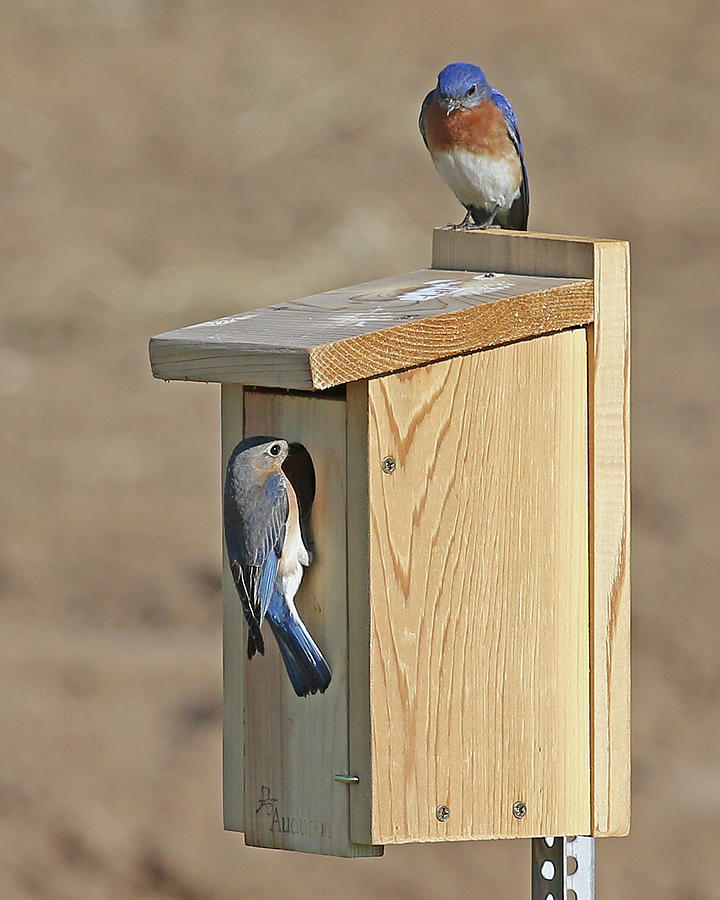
168 161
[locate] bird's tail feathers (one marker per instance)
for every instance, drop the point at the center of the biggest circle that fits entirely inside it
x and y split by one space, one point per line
255 643
305 664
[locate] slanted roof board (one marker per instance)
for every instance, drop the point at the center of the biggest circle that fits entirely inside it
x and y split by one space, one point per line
371 328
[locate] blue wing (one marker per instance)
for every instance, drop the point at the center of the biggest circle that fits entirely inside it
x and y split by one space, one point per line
254 536
523 202
421 121
267 582
505 107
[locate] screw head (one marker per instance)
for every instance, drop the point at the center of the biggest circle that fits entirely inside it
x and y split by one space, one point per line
389 465
519 809
442 813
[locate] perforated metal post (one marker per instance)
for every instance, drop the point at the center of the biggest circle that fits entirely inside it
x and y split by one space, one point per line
563 868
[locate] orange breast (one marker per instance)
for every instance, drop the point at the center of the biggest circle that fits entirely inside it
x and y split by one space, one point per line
481 129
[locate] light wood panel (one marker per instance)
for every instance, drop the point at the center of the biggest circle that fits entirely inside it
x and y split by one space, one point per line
607 263
479 656
294 746
609 357
496 250
370 329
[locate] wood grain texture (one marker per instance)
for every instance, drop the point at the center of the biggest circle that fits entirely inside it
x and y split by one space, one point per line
528 252
190 361
609 391
370 329
479 651
294 746
233 640
607 263
438 337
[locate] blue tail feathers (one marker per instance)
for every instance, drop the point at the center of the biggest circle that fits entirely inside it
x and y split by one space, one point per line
305 664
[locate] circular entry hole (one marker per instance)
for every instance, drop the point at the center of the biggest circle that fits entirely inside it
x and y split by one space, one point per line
547 870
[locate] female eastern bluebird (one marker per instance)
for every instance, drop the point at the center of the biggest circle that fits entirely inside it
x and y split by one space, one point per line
268 542
472 134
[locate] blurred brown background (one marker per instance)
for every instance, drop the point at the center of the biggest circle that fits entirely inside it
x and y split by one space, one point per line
168 162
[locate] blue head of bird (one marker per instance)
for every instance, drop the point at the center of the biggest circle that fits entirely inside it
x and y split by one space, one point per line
461 86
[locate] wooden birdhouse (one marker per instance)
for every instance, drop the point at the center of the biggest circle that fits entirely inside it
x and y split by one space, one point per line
468 425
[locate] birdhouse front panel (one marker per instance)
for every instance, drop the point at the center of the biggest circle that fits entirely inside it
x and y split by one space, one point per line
478 597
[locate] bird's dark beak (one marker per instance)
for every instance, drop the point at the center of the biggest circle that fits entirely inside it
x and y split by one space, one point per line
452 105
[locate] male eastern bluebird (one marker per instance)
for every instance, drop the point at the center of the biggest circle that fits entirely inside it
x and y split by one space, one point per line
268 542
472 134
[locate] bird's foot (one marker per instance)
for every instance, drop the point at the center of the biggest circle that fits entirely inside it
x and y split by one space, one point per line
470 224
466 222
482 226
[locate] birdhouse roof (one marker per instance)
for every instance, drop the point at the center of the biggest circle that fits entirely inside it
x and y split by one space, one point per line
373 328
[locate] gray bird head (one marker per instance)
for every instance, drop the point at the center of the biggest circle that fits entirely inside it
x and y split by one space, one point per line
262 453
461 86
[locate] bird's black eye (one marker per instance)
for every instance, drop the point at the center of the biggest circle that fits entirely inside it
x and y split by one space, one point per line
471 91
275 450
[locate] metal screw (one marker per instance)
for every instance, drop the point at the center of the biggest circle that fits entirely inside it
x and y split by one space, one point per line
519 809
442 813
347 779
389 465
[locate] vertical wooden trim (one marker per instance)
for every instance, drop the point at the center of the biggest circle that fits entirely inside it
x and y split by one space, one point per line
232 416
609 457
358 593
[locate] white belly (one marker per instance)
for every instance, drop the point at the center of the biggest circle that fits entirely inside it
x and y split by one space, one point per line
480 180
292 559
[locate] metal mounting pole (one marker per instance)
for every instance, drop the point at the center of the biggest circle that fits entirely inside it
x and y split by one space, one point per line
563 868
